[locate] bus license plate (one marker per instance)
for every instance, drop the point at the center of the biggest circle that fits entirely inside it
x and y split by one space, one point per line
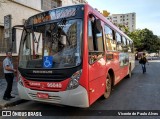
42 95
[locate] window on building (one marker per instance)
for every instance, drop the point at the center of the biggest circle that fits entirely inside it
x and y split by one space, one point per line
3 43
14 37
6 44
50 4
115 21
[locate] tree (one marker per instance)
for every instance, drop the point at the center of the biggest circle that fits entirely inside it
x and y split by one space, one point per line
124 28
145 40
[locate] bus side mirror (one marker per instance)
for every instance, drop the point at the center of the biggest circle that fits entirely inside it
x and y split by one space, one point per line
98 27
96 23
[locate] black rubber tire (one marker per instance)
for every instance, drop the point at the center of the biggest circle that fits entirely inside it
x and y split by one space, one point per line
108 87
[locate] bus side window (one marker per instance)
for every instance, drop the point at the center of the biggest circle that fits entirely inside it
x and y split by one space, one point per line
124 41
114 40
132 46
110 38
95 39
90 37
119 42
125 47
129 46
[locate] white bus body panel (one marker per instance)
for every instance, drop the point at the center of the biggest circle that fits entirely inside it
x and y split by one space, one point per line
76 97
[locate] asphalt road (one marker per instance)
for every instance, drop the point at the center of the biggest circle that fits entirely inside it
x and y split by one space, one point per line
141 92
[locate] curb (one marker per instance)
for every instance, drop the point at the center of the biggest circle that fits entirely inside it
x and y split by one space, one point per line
13 103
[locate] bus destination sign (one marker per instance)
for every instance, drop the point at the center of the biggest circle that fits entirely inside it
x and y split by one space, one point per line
52 15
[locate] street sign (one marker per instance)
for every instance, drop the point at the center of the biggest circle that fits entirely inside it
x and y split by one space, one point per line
7 26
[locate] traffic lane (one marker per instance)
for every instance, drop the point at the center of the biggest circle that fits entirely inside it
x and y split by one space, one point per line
141 92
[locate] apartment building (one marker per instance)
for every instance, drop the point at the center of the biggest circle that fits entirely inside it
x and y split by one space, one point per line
129 20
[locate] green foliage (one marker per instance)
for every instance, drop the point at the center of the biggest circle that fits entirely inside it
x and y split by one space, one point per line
145 40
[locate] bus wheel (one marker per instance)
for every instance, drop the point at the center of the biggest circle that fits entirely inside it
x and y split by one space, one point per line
130 73
108 87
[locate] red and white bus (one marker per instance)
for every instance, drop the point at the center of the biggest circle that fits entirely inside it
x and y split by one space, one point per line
72 56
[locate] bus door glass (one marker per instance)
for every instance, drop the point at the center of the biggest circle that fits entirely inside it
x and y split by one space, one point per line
96 58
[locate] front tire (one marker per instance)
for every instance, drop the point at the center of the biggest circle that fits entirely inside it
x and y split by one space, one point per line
108 87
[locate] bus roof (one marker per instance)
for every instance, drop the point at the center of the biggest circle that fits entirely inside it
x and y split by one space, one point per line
97 13
54 14
57 8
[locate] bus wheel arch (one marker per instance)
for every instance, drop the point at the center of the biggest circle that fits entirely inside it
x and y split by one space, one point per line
109 83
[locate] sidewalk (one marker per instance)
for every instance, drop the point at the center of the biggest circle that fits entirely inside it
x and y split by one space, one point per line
13 101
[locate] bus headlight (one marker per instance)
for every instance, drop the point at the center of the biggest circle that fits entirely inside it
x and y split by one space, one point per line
20 79
74 82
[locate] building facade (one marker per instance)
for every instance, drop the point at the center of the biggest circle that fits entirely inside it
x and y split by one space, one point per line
21 10
71 2
128 20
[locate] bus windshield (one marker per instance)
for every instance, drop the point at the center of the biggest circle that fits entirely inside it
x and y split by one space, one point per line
60 41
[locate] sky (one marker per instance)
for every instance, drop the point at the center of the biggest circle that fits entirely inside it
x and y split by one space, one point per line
147 11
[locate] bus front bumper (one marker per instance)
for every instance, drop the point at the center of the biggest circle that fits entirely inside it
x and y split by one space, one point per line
76 97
